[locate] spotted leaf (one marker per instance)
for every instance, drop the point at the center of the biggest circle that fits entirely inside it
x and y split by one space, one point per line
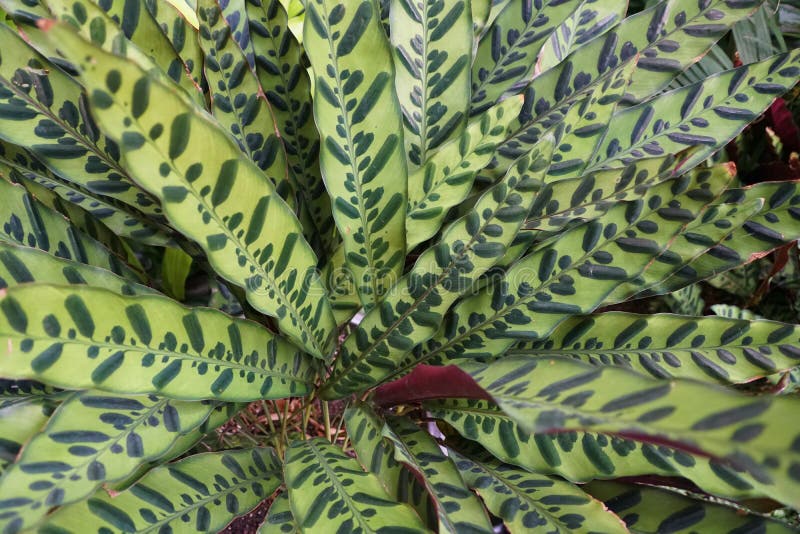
749 433
327 487
526 501
574 271
45 111
413 310
432 42
66 336
91 439
581 456
213 193
458 509
28 222
279 61
713 349
359 119
201 493
650 509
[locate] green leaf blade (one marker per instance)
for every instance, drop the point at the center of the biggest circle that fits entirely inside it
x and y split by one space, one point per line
362 143
66 336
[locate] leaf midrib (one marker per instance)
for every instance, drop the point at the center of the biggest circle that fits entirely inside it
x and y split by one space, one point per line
312 338
333 477
169 353
44 110
334 57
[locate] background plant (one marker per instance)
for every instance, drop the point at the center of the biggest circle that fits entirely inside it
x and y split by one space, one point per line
372 266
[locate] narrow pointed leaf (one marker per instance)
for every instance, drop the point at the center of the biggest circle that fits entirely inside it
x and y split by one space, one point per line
459 510
560 394
526 501
583 456
327 487
447 176
212 193
22 265
660 40
29 223
108 22
181 33
124 220
377 455
360 126
237 100
776 224
648 509
573 273
91 439
54 123
506 54
713 349
279 63
201 493
82 337
588 21
432 44
711 112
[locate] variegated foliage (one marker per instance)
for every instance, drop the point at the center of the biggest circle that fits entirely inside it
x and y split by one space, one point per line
246 209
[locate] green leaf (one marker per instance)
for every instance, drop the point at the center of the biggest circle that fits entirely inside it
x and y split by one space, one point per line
81 220
341 287
377 455
572 273
447 176
21 419
91 439
122 219
583 456
588 21
709 113
27 222
694 26
749 433
83 337
359 119
22 265
329 490
713 349
459 510
777 223
527 501
175 268
46 112
201 493
648 509
279 61
237 99
279 518
110 23
662 41
506 54
209 191
432 44
180 27
221 413
412 312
